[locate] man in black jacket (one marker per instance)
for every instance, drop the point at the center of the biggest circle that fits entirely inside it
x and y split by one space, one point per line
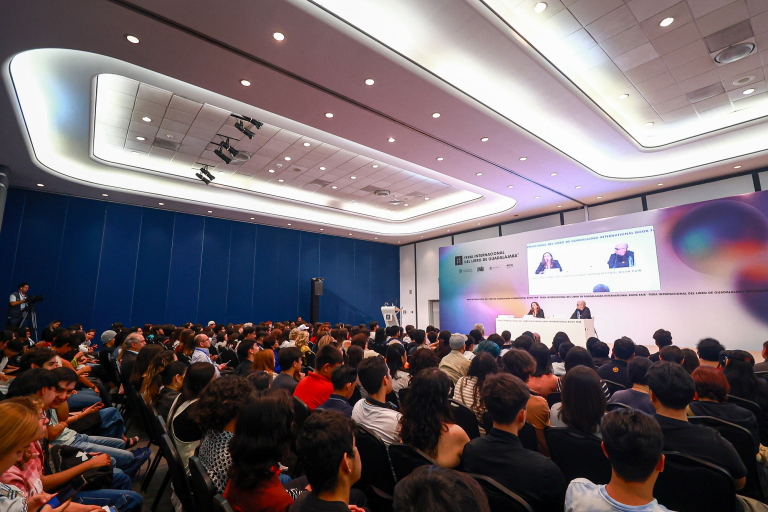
582 311
622 257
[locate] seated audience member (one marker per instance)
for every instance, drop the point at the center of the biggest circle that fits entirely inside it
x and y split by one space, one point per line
521 364
262 438
709 350
763 366
290 369
260 380
543 381
142 364
672 390
132 343
600 352
423 358
354 356
171 379
436 488
690 360
468 388
343 379
671 354
523 342
419 339
558 367
316 387
246 351
443 346
711 400
488 347
326 447
583 402
38 357
215 414
642 351
202 354
662 339
11 350
616 370
151 386
558 340
361 340
637 396
374 412
501 456
579 356
396 360
427 422
182 429
455 364
633 442
744 384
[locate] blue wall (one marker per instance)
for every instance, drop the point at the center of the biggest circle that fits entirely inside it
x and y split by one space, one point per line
99 262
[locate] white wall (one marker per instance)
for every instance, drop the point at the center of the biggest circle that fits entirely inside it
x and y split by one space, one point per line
573 216
764 180
479 234
530 225
427 273
604 211
698 193
408 282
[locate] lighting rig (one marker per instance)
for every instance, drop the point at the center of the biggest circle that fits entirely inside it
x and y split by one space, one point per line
205 175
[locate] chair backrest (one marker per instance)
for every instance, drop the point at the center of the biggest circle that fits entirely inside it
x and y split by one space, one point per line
613 386
178 474
578 455
745 446
220 504
377 469
500 498
465 418
554 398
755 409
202 486
615 406
402 394
688 484
300 412
405 459
527 436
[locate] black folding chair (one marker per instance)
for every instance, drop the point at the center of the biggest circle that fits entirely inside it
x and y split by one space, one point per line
527 434
178 474
578 455
465 418
688 484
616 406
755 409
203 489
220 504
377 468
745 446
405 459
613 386
553 398
300 412
500 498
158 423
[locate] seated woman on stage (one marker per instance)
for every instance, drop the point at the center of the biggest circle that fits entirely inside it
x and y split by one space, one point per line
547 263
536 310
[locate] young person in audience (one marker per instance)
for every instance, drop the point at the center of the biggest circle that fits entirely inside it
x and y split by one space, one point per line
421 359
343 379
264 361
427 422
182 429
600 353
522 365
302 343
316 387
616 370
246 351
558 367
671 354
289 359
542 381
763 366
141 365
455 364
662 339
501 456
262 438
579 356
170 381
419 338
361 340
487 347
374 412
642 351
583 402
523 342
326 447
215 414
436 488
38 357
468 388
709 350
690 360
637 396
741 376
396 360
633 442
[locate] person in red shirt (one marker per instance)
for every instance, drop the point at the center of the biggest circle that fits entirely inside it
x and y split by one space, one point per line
316 387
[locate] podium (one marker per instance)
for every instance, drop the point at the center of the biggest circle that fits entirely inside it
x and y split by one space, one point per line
390 315
577 330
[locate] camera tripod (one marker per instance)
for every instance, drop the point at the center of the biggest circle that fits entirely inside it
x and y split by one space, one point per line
30 313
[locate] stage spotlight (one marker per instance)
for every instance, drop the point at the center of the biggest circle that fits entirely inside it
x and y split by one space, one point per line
219 153
205 171
245 131
203 178
232 151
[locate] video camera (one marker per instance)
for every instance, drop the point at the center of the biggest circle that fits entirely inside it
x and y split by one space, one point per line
34 299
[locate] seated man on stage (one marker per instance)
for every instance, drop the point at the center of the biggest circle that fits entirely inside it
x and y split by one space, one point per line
622 257
582 311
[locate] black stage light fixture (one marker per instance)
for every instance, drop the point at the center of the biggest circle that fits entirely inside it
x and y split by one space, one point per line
245 131
203 178
232 151
219 153
205 171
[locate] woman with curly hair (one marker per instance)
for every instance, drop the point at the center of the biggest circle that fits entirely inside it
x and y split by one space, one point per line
468 387
220 403
427 422
150 388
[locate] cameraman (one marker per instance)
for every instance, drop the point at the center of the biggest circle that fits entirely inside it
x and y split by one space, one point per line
16 306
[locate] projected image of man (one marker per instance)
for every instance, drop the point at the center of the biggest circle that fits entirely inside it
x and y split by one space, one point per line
548 263
623 257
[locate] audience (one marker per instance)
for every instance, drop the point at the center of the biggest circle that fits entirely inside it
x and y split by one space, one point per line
437 488
709 350
316 387
690 360
616 370
583 402
558 362
542 381
182 428
662 338
397 360
522 365
171 380
671 354
289 359
637 396
374 412
455 364
343 379
741 376
468 388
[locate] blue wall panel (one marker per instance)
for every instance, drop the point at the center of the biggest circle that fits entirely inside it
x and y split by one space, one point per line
100 262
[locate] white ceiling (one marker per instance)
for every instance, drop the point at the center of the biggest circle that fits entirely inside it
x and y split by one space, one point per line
462 58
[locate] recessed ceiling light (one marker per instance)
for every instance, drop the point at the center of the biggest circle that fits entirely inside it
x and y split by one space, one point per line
478 174
135 153
328 114
536 197
281 180
540 7
523 158
289 223
253 218
436 115
448 230
287 159
146 119
391 139
578 186
484 139
306 144
272 170
422 236
648 125
132 39
209 211
105 195
375 166
659 184
559 206
426 199
553 174
478 223
161 204
40 185
169 136
406 204
666 22
744 80
748 91
245 83
599 197
334 187
369 81
375 238
321 229
278 36
623 96
737 167
353 177
140 138
439 159
510 186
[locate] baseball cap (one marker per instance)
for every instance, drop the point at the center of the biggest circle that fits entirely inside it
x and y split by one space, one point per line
303 327
456 341
106 336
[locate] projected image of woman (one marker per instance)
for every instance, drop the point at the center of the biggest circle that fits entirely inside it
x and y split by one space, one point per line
548 263
536 310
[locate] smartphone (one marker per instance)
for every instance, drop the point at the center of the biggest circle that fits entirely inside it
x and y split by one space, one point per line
65 494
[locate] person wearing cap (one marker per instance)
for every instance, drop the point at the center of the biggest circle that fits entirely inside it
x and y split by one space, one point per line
455 365
107 347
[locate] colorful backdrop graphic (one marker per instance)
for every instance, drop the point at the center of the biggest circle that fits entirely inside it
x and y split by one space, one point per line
713 268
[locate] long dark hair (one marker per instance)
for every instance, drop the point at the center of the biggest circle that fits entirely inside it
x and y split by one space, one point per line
426 410
530 312
540 353
262 437
583 399
143 360
197 377
741 375
551 260
395 353
187 342
150 388
483 365
381 336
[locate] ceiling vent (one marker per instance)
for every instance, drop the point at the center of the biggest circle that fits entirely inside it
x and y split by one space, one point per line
166 144
734 53
705 92
382 193
729 36
319 183
744 80
395 202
